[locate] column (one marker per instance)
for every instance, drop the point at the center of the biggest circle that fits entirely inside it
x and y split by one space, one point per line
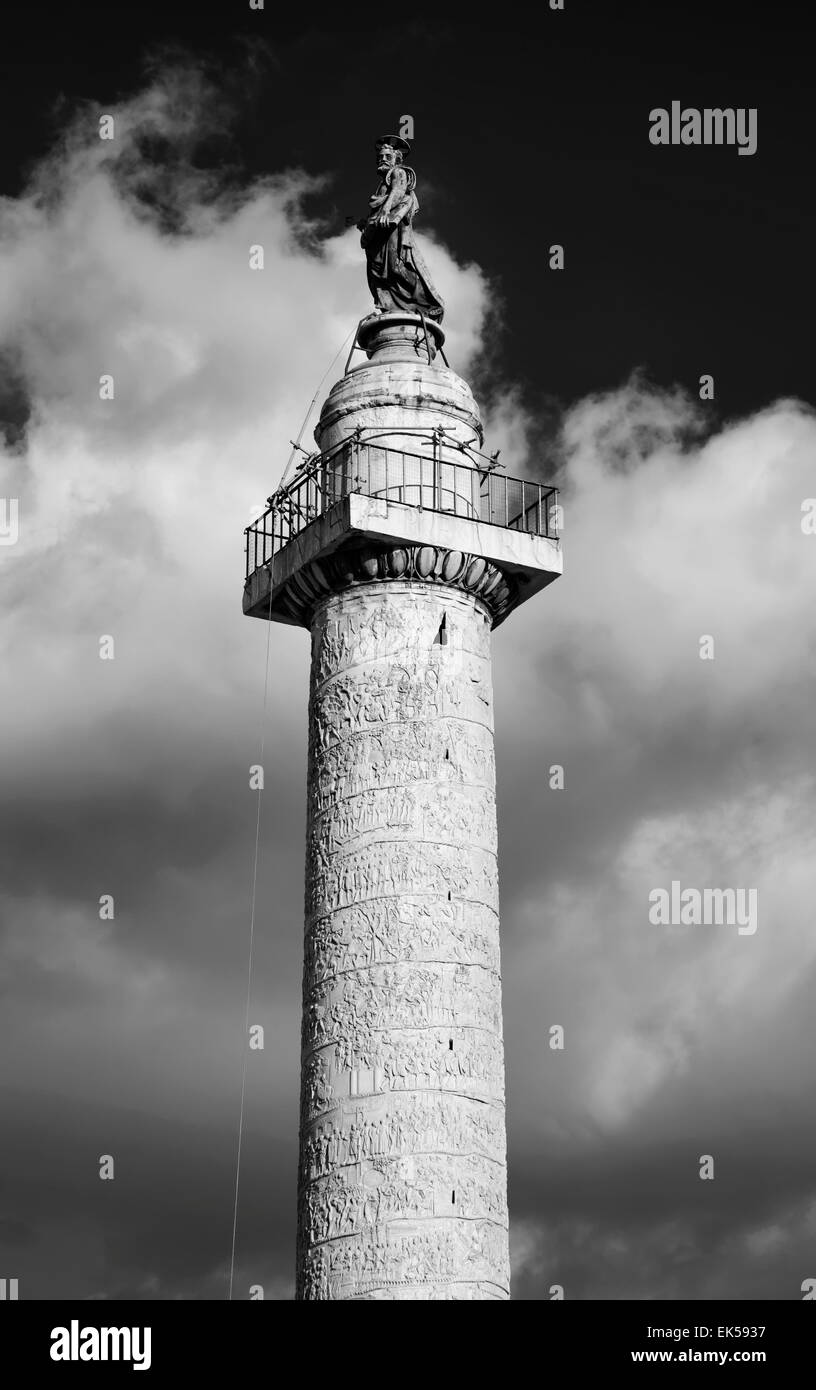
402 1183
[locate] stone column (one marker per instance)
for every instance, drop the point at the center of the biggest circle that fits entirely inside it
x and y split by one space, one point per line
402 1184
395 559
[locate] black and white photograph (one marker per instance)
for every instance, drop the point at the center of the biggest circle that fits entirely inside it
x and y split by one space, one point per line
408 562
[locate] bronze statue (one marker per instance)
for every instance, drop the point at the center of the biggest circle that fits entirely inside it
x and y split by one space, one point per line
397 275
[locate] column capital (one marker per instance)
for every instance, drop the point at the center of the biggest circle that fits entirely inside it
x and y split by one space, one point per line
415 564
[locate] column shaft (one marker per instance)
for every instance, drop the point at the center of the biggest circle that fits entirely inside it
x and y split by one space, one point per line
402 1185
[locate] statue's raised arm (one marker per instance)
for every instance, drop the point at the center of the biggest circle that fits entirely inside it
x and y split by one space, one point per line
397 275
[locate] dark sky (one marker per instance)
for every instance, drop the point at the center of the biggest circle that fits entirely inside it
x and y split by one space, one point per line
528 132
682 518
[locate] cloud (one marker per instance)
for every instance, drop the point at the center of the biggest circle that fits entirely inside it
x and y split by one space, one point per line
676 768
130 776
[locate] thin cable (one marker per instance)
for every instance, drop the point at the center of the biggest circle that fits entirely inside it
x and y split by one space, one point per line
296 442
251 944
257 847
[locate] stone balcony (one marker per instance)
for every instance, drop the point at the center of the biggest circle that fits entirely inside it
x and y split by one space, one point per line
444 511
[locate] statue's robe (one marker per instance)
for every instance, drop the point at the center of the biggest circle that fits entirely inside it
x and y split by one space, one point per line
397 275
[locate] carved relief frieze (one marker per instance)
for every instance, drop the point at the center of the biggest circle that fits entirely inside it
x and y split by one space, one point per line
407 928
402 1166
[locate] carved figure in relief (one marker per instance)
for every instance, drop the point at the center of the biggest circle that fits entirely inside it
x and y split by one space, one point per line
388 631
347 704
390 930
388 870
362 1003
341 1204
433 812
401 753
466 1250
400 960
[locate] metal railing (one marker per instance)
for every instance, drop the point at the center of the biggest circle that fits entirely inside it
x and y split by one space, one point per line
432 481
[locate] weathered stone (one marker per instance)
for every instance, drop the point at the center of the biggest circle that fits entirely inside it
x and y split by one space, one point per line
402 1179
397 275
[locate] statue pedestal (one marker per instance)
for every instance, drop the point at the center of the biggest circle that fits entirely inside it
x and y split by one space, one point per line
399 336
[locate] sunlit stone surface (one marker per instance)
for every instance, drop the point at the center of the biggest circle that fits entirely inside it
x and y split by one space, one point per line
402 1190
403 1180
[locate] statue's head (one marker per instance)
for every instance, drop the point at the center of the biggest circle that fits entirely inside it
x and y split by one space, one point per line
390 151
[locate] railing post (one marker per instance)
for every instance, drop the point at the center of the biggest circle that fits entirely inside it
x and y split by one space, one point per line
345 469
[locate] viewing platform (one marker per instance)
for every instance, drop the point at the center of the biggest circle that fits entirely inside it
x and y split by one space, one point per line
434 492
429 480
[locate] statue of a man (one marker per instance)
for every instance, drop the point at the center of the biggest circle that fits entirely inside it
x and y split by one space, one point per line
397 275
